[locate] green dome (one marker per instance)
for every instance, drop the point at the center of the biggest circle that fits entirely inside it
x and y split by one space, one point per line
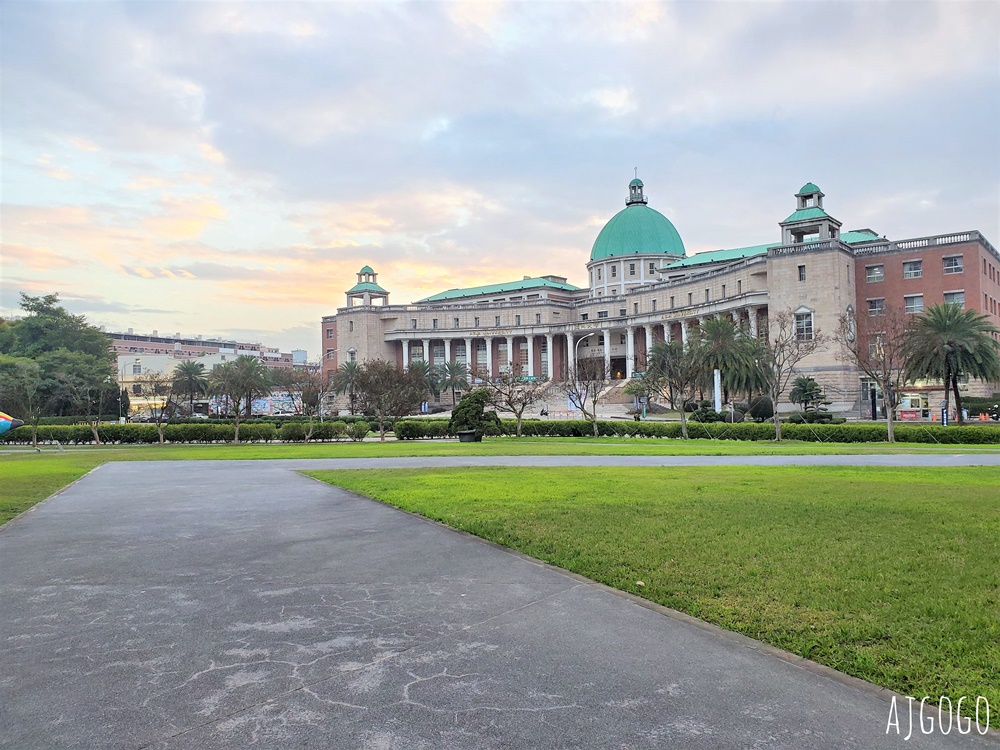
637 229
809 188
367 269
636 181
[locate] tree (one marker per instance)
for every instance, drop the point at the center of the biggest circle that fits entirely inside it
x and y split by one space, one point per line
429 374
20 386
583 386
724 346
190 379
48 327
454 376
470 414
806 392
157 389
253 379
345 381
679 368
306 391
512 390
386 393
876 345
224 381
785 347
947 342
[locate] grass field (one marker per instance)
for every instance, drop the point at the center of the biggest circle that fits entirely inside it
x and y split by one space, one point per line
28 477
887 574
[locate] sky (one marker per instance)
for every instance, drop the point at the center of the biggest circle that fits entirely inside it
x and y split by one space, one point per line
226 169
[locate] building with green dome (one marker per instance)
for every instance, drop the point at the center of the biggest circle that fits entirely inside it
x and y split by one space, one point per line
643 288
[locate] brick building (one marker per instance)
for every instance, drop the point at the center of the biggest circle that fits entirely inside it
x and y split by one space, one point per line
643 288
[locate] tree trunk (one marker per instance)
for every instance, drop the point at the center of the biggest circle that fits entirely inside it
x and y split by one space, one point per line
947 380
684 423
889 424
159 432
519 414
93 430
236 427
958 399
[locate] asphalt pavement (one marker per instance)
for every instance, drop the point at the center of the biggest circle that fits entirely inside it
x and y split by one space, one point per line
238 604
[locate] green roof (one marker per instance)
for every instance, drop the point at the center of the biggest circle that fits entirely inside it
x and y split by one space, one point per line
366 286
636 181
716 256
509 286
367 269
634 230
808 188
807 213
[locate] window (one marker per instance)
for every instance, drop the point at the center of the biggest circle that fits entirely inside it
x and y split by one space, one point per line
585 316
739 286
329 354
635 308
723 291
622 312
455 322
953 264
137 369
497 321
652 268
602 314
690 298
804 326
614 272
802 273
913 303
350 325
329 333
631 269
671 303
913 269
477 322
874 273
434 323
538 318
876 306
955 298
598 274
413 323
353 355
654 305
517 320
136 390
708 295
621 339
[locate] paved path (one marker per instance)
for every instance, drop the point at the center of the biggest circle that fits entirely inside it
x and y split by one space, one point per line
231 604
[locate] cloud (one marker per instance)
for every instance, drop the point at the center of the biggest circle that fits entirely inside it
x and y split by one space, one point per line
183 218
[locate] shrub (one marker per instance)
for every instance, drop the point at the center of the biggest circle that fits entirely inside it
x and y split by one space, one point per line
338 430
292 432
358 431
761 408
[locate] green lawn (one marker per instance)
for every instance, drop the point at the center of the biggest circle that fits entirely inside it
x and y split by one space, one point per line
28 477
887 574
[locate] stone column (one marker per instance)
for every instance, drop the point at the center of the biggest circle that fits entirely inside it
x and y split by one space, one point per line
753 322
607 352
649 342
470 356
570 353
531 355
447 351
406 353
549 361
510 353
489 356
684 332
629 352
427 351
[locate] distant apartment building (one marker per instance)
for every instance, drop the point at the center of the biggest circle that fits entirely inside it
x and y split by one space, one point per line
191 347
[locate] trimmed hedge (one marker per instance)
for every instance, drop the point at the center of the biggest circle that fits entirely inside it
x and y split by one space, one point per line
413 429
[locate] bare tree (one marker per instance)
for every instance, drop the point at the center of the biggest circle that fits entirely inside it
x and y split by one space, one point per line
157 389
512 390
385 393
789 341
583 386
306 390
678 369
876 344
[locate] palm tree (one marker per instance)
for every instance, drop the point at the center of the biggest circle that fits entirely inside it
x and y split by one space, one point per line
724 346
345 380
946 342
678 368
254 381
190 378
454 375
429 375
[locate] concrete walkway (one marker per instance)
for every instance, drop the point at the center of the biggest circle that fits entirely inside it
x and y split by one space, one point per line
238 604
